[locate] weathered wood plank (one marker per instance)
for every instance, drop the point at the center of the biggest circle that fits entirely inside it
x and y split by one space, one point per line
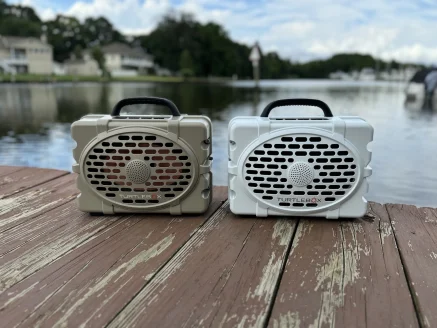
344 274
5 170
55 233
91 283
22 207
224 276
26 178
416 233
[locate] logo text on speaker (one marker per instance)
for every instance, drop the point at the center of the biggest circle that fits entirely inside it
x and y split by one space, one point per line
152 196
299 200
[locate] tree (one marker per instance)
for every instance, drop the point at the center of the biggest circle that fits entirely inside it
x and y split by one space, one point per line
17 20
186 64
64 33
78 52
99 57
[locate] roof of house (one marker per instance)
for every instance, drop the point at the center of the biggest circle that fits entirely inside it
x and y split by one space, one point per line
7 42
126 50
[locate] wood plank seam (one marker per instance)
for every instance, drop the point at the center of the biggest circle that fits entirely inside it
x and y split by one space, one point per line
19 169
278 282
48 299
194 234
228 273
342 262
40 213
416 305
84 241
32 186
3 253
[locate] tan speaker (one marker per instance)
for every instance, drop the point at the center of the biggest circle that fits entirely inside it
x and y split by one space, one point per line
143 163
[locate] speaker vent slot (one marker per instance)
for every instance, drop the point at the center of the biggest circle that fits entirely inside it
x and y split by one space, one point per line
134 172
328 167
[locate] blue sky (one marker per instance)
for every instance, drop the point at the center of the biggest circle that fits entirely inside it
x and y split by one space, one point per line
403 30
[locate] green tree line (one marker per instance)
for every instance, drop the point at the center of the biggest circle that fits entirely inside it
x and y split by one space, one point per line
179 43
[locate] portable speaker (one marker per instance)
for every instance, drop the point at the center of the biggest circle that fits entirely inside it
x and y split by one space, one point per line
299 166
143 164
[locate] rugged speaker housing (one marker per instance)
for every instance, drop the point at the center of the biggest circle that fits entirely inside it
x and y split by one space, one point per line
143 163
299 166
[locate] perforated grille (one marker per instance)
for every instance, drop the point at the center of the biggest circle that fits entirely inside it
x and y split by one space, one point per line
301 174
138 169
300 171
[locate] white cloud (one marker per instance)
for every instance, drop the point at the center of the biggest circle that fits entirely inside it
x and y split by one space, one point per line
131 16
301 30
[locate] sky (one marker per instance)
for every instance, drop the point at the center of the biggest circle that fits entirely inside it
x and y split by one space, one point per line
301 30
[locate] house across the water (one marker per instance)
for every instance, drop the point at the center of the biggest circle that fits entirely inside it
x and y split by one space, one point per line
120 60
25 55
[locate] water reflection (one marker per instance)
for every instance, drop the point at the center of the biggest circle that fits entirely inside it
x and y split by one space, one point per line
35 119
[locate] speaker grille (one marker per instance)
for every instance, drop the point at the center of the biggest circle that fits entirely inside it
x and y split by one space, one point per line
138 169
300 170
300 174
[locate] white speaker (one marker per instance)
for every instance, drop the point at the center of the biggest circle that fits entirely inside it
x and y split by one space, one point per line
299 166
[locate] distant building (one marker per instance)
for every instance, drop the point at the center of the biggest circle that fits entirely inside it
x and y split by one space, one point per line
367 74
82 67
120 60
58 68
25 55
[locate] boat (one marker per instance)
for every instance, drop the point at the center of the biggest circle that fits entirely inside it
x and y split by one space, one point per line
415 90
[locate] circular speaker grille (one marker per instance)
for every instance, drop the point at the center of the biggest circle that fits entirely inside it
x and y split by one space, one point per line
139 169
301 171
301 174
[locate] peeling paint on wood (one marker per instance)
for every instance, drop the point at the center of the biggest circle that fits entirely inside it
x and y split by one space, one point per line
26 178
118 272
59 267
416 233
234 263
96 279
22 207
289 320
344 273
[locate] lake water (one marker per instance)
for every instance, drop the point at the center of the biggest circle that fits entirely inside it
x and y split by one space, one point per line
35 124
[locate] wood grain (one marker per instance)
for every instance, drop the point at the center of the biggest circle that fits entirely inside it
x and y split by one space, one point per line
26 178
60 267
344 274
5 170
22 207
93 281
225 276
53 235
416 234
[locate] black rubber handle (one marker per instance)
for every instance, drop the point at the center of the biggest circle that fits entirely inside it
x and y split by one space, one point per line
145 100
297 102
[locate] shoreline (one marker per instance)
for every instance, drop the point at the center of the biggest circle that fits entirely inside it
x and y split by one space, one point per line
34 78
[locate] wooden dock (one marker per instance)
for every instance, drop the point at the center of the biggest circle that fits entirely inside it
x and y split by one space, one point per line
63 268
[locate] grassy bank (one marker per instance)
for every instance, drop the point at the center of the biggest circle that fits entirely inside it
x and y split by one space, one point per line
35 78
